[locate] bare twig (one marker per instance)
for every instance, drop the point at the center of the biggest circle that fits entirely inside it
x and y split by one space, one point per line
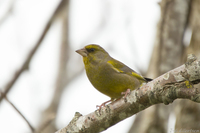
9 10
32 52
31 127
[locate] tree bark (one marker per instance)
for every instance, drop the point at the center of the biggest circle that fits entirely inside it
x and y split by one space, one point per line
167 54
187 112
178 83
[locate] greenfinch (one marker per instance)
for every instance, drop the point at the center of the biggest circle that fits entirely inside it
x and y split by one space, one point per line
107 75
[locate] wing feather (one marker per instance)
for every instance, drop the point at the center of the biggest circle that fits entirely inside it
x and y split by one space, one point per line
122 68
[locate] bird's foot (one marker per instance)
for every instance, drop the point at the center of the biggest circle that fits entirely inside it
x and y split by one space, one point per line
126 93
103 105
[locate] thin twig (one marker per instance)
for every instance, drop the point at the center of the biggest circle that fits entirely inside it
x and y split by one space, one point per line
7 13
5 97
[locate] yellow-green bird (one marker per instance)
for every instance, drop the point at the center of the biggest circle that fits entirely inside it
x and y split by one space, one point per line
107 75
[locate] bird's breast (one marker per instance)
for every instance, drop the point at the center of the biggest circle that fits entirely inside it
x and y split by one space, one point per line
109 82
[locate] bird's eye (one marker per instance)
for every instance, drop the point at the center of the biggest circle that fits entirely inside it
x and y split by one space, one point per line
91 50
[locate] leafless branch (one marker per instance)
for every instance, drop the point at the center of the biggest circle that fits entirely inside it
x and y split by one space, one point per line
178 83
32 52
9 10
45 124
31 127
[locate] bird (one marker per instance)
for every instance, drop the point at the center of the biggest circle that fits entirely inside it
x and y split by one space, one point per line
108 75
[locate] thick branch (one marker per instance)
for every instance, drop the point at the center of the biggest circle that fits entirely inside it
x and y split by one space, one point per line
177 83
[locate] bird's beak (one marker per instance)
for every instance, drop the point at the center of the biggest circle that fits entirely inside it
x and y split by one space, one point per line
82 52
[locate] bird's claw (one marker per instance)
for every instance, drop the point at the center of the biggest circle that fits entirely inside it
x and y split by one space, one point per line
102 105
126 93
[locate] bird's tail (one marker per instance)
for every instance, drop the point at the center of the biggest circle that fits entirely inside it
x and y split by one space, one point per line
148 79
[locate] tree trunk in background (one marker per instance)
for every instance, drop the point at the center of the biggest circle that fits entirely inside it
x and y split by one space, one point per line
188 112
167 54
195 26
48 115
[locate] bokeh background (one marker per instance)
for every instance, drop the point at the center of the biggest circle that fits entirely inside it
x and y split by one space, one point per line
44 78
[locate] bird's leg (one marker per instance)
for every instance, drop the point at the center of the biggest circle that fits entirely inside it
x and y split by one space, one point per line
126 93
103 104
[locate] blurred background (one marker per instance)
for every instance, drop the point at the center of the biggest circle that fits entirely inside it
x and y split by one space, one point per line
43 77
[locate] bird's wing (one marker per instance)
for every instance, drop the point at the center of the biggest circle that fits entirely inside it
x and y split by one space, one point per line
122 68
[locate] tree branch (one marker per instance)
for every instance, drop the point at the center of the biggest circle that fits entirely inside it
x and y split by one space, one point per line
30 126
177 83
33 51
7 12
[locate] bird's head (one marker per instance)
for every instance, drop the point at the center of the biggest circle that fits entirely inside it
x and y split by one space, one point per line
93 52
